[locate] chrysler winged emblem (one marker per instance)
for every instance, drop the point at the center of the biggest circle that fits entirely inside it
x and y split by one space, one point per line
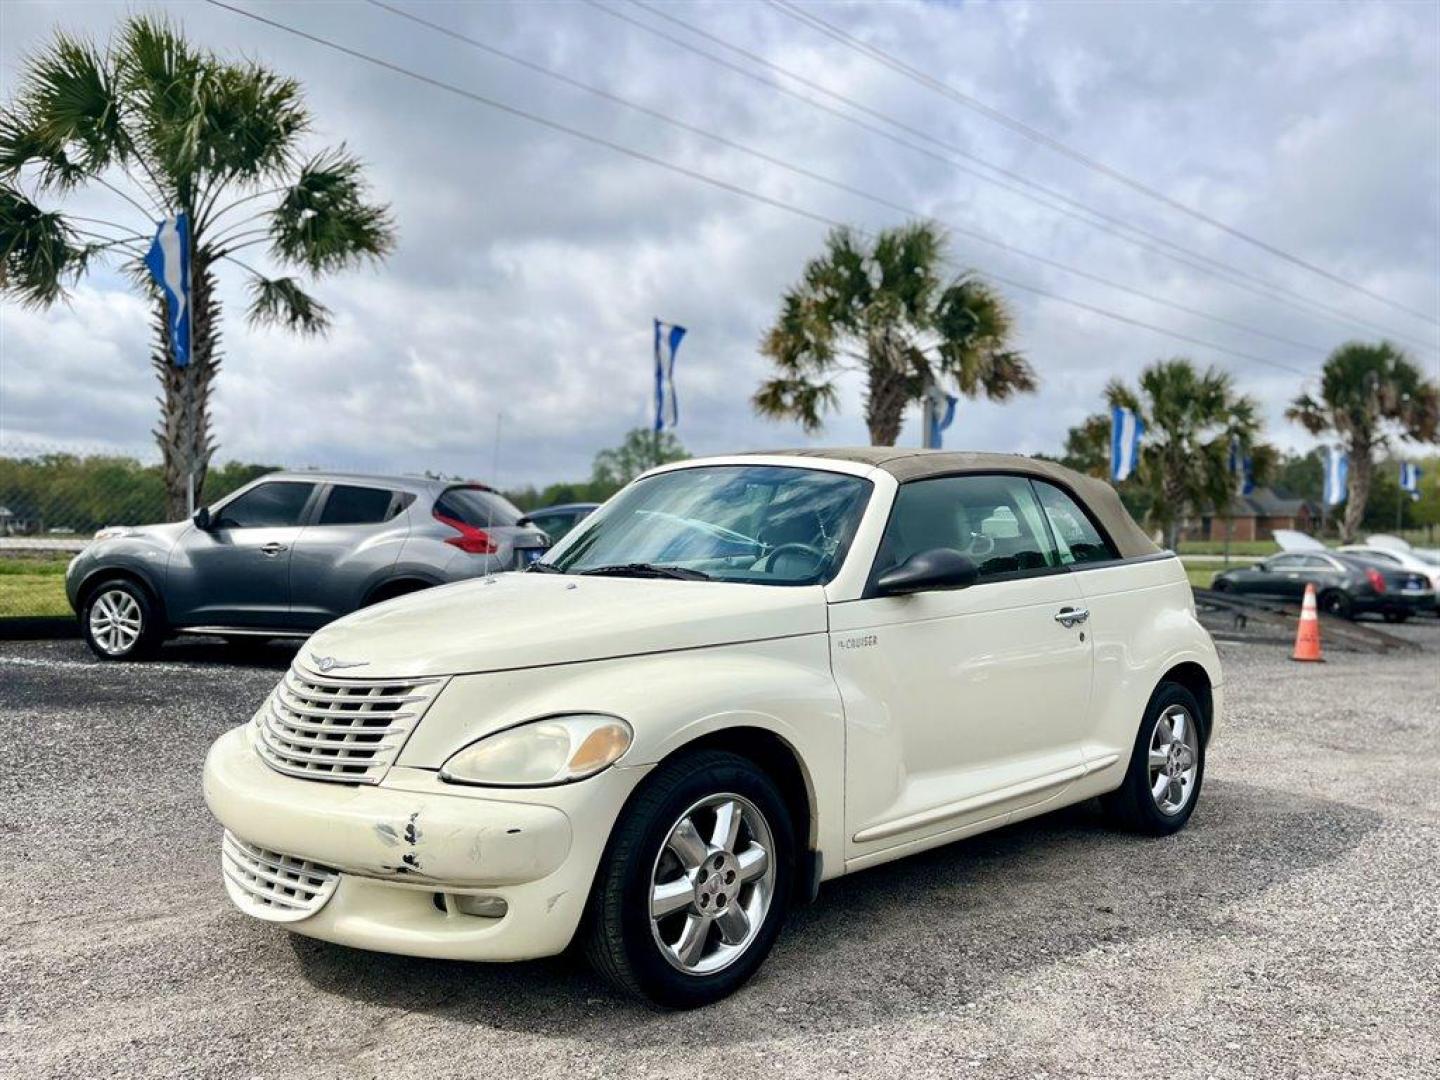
327 664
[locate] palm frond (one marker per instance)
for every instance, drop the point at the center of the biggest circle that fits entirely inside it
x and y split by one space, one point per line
282 302
799 399
66 114
39 254
324 223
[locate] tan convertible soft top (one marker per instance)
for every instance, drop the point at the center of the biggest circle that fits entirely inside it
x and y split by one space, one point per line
905 464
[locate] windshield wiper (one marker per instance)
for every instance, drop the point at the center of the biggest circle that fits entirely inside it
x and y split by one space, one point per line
543 568
645 569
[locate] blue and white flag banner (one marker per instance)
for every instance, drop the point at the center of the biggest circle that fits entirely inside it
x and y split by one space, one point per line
1242 467
667 344
169 262
1410 479
1125 431
1337 475
942 415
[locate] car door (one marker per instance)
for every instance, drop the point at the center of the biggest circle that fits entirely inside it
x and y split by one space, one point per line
348 550
236 572
961 706
1288 575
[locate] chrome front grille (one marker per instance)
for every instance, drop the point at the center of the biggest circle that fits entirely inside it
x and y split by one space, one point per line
347 730
273 886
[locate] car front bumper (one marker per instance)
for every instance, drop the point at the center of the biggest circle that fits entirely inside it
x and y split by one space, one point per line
402 858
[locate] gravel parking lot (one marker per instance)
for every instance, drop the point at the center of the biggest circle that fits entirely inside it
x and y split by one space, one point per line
1291 931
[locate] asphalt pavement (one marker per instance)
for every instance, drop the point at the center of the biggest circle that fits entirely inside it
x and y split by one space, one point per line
1290 931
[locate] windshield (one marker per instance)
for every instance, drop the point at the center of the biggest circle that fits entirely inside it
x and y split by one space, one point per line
763 524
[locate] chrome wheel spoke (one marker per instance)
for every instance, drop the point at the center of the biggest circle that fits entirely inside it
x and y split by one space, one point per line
671 896
754 862
1159 758
1178 726
727 826
734 924
691 945
687 844
1160 787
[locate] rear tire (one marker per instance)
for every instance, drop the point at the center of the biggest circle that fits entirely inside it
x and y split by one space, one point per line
1396 616
121 621
684 916
1167 766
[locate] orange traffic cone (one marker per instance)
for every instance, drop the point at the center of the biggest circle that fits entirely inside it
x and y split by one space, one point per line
1307 633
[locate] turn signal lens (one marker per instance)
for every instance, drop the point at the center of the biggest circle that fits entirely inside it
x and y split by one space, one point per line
553 750
1377 580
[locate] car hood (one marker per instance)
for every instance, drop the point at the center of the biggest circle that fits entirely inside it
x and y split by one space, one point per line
139 537
519 620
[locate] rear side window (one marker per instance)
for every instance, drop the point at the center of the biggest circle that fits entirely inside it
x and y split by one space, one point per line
476 506
271 505
349 505
1075 534
995 520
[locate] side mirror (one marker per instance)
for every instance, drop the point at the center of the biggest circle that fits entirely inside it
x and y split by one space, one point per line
927 571
201 519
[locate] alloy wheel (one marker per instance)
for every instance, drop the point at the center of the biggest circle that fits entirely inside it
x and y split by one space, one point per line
116 621
712 884
1174 759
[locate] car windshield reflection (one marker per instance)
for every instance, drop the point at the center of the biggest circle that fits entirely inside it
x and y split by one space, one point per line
760 524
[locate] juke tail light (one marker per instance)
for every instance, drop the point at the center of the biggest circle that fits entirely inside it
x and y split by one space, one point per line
1376 579
472 540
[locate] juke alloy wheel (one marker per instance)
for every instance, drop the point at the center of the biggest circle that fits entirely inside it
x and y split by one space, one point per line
120 621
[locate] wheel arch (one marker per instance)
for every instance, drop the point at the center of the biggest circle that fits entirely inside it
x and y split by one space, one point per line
1195 679
101 574
397 585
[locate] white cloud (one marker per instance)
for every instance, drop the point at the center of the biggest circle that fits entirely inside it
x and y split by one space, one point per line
530 263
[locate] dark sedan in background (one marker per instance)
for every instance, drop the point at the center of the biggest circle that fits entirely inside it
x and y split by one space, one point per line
559 519
1345 585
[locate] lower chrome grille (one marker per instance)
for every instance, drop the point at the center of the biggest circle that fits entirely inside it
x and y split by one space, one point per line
349 730
271 885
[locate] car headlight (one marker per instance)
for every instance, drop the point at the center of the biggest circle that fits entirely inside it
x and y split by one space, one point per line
552 750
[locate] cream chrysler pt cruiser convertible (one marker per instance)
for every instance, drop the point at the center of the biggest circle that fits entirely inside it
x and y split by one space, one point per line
739 678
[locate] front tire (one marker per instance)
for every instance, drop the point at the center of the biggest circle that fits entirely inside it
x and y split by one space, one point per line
121 621
695 882
1167 766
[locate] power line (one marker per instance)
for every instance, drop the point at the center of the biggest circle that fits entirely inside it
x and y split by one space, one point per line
798 170
1153 242
1035 134
705 178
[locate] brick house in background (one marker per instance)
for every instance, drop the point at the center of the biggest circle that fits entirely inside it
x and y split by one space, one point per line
1254 517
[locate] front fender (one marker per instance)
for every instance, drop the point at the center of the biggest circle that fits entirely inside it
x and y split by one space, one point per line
782 686
140 557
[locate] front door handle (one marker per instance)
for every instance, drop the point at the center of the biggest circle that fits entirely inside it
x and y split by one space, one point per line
272 549
1069 616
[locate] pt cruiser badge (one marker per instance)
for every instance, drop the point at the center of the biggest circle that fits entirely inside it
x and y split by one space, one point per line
779 669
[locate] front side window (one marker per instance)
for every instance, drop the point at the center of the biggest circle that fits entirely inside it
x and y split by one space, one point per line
351 505
996 521
767 525
1076 536
274 504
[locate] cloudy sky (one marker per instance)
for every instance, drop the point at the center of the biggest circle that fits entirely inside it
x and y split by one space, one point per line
531 262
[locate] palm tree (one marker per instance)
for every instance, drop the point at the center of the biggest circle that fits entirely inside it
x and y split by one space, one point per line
1191 418
162 127
884 309
1367 393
